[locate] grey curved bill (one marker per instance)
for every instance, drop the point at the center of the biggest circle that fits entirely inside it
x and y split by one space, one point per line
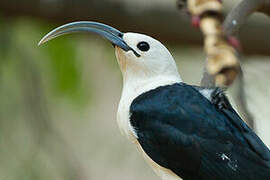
108 32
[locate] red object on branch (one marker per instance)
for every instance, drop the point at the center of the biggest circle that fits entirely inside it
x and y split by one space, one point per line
195 21
234 42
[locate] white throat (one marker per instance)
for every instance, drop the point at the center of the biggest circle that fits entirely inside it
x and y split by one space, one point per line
154 68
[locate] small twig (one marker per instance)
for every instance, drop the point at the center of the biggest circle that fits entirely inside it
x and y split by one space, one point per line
207 79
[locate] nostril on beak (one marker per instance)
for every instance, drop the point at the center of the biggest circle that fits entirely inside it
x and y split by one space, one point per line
121 35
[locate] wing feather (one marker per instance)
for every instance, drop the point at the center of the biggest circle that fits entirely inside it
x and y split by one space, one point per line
183 131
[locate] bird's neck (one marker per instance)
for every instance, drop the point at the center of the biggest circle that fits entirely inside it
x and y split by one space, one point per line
134 87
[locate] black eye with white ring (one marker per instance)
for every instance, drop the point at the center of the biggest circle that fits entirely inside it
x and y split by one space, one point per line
143 46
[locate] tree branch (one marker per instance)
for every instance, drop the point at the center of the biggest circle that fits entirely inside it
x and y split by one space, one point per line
212 32
207 79
222 65
232 24
239 14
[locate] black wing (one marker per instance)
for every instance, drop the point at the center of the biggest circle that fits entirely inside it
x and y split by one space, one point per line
181 130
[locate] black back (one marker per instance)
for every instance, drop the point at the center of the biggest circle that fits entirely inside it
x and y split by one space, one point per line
183 131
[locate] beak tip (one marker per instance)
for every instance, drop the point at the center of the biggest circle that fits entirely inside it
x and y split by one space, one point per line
42 41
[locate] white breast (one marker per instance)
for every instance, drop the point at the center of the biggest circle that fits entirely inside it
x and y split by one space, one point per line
129 93
126 128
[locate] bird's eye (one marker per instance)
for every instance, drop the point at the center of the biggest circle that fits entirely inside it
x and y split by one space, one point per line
143 46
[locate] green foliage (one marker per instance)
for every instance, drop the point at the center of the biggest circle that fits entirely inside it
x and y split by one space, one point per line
31 78
66 77
55 63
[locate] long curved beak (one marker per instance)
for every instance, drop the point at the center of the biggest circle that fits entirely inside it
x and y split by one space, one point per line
108 32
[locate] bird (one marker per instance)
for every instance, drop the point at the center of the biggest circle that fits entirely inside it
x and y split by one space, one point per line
183 131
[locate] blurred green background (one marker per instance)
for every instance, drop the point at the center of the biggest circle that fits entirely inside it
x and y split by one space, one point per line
59 101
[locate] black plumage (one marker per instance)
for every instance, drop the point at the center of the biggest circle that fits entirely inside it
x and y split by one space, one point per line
181 130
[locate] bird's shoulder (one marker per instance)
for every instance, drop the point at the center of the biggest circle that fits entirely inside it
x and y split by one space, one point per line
180 103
